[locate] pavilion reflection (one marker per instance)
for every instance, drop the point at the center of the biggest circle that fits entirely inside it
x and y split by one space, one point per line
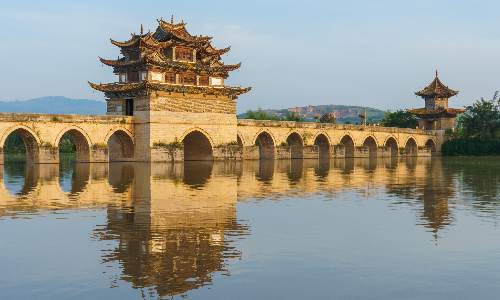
175 235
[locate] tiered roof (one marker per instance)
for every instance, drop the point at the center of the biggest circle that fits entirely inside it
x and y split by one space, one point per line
433 91
434 112
145 86
436 90
153 49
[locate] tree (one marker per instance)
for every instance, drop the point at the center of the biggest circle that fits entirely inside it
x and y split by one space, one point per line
293 116
327 118
259 114
399 118
482 120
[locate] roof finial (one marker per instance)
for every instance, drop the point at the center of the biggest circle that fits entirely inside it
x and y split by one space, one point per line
161 18
436 73
141 30
172 19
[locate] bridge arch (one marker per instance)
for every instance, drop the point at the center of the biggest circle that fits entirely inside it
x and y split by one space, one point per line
267 144
431 144
82 142
120 144
348 143
294 139
411 146
198 145
240 140
371 142
392 143
30 139
322 140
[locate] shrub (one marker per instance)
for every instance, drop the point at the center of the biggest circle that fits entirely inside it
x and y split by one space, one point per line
234 143
470 147
159 144
176 143
100 145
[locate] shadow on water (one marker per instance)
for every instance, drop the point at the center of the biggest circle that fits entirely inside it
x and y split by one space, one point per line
266 170
322 169
121 176
20 178
197 173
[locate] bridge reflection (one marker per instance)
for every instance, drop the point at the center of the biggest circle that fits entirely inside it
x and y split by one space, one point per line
176 223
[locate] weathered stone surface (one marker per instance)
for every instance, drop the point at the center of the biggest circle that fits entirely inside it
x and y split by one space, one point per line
311 151
131 138
167 154
232 152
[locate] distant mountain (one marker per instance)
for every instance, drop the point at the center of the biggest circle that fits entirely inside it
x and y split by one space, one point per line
343 113
55 105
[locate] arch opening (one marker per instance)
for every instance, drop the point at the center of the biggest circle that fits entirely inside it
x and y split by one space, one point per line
324 146
431 145
266 145
296 145
372 146
73 178
20 178
391 143
73 141
20 142
121 146
197 147
348 145
411 147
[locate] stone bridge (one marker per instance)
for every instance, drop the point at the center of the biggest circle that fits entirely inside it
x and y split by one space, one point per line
97 138
281 139
131 138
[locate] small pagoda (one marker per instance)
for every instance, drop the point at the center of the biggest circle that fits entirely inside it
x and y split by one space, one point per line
169 70
436 115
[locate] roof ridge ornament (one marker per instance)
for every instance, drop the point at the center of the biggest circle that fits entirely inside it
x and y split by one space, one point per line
142 30
172 19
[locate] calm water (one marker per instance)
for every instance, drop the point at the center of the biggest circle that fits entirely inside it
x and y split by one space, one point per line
423 228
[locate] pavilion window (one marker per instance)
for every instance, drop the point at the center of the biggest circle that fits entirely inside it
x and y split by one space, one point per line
187 79
203 80
133 77
170 77
184 54
133 56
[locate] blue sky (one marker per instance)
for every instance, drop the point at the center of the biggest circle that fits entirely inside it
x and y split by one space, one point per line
369 53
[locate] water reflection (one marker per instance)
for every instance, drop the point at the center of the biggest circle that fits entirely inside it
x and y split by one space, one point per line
176 225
